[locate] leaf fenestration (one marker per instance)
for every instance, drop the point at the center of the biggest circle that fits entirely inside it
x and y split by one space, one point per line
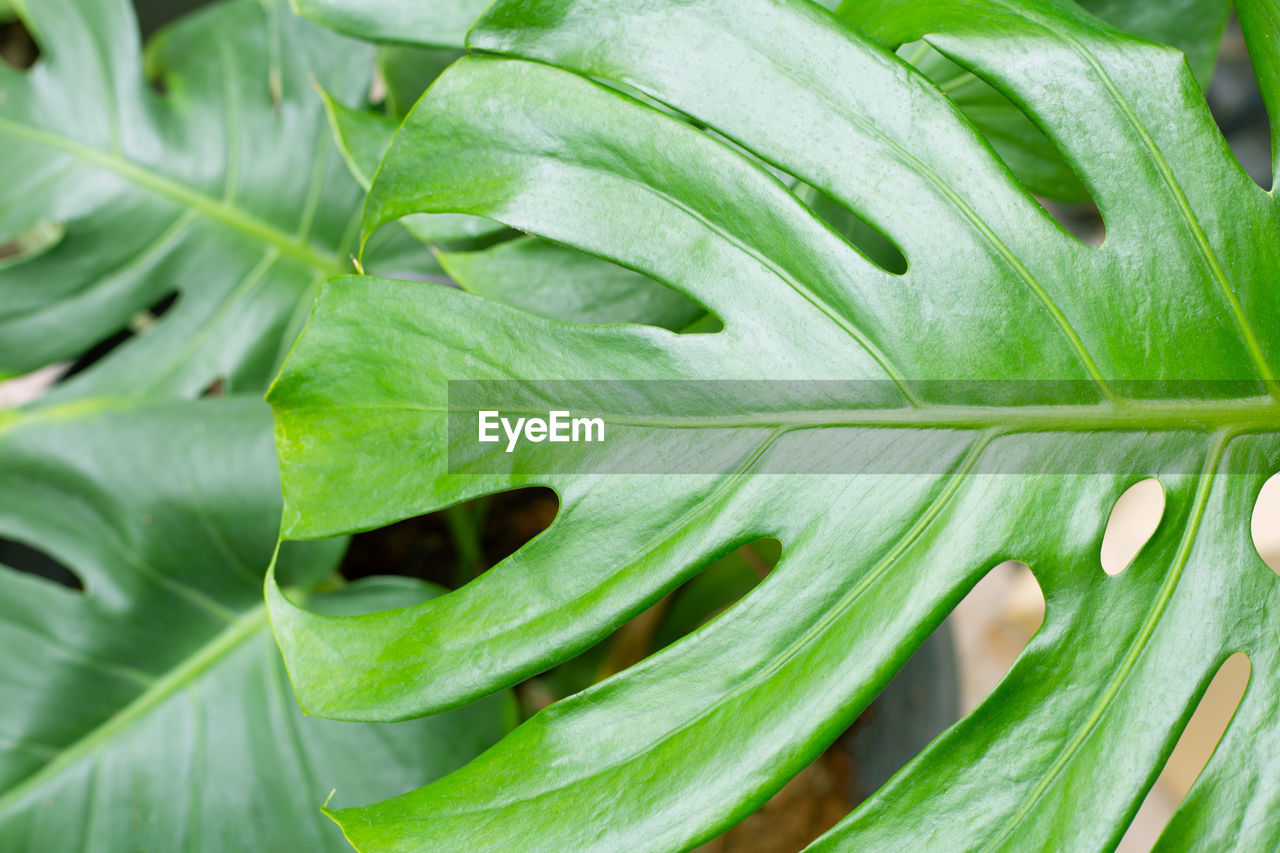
226 188
152 711
668 752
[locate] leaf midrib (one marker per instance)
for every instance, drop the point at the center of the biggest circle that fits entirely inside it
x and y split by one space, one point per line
236 634
220 211
1239 415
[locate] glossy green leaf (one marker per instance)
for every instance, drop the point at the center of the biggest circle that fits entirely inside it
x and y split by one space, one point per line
669 752
150 711
224 191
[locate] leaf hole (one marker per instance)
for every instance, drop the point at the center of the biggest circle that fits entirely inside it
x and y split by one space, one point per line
1264 525
18 49
1132 523
916 706
32 243
812 801
717 587
862 235
1018 141
158 84
993 624
24 389
562 283
867 239
1082 220
1238 107
140 323
24 558
155 73
694 603
949 674
453 546
1192 752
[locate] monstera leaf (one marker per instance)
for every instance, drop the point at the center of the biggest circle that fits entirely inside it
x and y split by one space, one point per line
150 711
900 433
224 191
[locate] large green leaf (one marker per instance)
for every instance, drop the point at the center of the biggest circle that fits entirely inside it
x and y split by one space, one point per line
996 295
226 191
151 710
